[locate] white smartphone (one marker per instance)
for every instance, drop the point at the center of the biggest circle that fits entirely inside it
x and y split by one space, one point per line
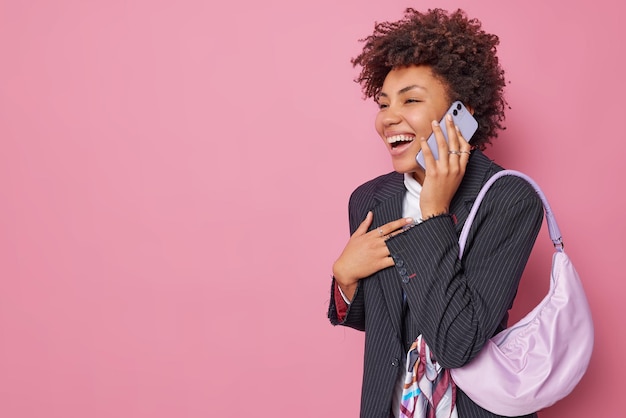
461 118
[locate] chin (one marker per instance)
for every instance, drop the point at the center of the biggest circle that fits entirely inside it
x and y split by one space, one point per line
406 167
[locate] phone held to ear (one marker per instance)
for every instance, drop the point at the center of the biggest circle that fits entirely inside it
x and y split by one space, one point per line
461 118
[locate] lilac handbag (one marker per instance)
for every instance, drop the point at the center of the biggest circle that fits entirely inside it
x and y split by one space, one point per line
540 359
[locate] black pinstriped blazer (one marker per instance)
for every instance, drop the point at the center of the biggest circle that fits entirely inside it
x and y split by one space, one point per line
456 305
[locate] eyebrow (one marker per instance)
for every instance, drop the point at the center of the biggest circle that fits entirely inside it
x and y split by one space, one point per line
405 89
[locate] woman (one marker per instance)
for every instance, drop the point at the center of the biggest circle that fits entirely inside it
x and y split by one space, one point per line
399 275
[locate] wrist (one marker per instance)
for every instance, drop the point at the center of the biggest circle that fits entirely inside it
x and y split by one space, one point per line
345 282
347 292
433 213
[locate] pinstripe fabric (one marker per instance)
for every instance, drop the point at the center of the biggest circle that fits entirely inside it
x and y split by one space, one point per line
455 306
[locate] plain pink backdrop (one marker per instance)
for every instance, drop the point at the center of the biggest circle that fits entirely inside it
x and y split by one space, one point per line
174 179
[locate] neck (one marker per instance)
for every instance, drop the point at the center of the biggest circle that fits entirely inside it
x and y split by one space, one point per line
419 175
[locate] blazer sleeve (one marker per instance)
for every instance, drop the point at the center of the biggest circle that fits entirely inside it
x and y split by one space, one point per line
359 201
456 304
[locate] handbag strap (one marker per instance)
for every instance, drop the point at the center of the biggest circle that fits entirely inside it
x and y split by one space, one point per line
553 228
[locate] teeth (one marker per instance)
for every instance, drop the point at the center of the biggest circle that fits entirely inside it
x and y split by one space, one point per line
399 138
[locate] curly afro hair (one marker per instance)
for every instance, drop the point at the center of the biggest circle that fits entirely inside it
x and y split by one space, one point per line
458 51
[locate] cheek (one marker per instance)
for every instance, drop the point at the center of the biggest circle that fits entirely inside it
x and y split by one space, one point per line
378 124
421 124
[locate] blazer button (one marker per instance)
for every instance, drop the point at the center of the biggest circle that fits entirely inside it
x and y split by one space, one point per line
399 262
395 362
402 272
405 279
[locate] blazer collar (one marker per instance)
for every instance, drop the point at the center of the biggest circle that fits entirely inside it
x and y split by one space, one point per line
392 189
390 194
479 169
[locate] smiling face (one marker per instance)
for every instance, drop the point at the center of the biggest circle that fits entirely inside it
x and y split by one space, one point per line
410 99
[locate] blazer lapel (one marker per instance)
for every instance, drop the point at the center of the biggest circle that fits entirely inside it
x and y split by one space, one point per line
388 207
479 169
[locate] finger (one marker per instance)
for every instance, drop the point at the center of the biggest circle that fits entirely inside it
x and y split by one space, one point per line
463 144
464 147
397 232
387 262
392 226
442 144
427 153
453 135
454 150
365 225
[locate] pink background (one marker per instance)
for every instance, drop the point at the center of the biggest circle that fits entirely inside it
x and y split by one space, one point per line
174 180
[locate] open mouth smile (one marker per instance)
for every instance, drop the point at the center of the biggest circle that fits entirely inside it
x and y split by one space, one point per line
399 140
399 143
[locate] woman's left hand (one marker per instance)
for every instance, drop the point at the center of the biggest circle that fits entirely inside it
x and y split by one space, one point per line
443 176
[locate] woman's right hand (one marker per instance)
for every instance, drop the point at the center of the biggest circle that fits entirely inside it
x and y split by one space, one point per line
365 253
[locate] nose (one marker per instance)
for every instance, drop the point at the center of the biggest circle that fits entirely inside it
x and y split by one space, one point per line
391 117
